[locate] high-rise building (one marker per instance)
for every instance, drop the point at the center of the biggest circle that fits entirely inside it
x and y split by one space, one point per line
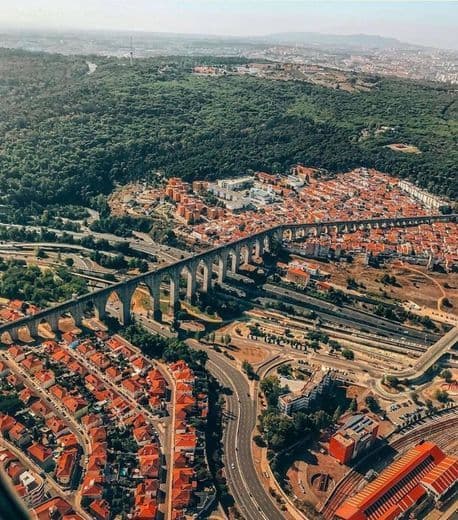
309 395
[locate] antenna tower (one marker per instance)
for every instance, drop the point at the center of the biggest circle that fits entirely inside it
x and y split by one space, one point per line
131 53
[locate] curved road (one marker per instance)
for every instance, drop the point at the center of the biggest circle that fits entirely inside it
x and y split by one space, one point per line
251 498
431 356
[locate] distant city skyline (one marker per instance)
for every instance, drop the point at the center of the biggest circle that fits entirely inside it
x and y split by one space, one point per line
421 22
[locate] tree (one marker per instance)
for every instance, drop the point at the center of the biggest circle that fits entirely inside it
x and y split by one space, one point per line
254 330
337 414
285 370
353 405
447 375
392 381
270 386
259 441
40 253
227 500
69 262
351 283
248 369
441 396
372 404
314 345
82 175
348 354
334 345
31 284
9 403
415 397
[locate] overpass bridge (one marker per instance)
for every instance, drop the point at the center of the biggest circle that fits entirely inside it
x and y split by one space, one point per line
220 259
445 344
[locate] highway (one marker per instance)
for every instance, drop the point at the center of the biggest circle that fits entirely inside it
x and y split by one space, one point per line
350 317
416 373
143 245
251 498
443 345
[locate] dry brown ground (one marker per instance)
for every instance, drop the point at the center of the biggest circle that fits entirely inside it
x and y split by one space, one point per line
141 302
312 462
244 349
413 286
115 200
440 384
192 326
308 464
403 148
252 354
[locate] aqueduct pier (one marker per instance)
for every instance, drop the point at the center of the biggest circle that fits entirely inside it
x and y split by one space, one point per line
221 259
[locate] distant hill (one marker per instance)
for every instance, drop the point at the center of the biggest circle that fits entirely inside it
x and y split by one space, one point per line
147 44
366 41
66 135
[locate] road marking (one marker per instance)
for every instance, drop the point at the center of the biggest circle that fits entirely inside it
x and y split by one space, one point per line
242 478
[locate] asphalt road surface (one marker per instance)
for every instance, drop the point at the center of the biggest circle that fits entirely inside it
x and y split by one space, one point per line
252 500
352 318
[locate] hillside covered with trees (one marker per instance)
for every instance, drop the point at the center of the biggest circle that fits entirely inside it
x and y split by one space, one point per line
67 135
40 287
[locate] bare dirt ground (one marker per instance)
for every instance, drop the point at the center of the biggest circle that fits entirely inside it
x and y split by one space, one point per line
192 326
252 354
117 197
141 302
403 148
414 286
440 384
242 349
314 473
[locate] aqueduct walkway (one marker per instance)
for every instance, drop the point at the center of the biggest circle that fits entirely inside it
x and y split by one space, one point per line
220 259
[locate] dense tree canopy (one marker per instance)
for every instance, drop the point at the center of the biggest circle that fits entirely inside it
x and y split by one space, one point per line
68 136
37 286
169 349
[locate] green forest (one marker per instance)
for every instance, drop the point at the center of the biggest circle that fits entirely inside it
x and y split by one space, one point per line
67 135
39 287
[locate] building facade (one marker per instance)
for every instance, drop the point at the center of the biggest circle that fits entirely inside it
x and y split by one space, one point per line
356 436
423 471
319 383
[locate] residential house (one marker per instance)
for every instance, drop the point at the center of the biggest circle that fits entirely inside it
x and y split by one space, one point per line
41 455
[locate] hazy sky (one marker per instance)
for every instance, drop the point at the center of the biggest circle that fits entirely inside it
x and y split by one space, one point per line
431 23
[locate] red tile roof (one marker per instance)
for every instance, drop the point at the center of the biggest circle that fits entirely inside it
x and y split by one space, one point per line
443 476
39 452
101 509
66 464
394 487
42 512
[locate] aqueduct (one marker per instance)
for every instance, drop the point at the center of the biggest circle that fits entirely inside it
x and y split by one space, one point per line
221 259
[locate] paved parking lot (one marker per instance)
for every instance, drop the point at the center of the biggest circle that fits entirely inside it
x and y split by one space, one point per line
399 413
430 420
